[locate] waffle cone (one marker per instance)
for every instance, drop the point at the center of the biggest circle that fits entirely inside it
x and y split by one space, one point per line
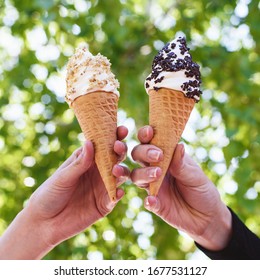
97 116
169 111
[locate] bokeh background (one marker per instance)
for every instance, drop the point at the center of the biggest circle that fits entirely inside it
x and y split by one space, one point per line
38 131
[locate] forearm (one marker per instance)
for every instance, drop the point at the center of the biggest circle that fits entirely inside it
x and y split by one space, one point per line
23 239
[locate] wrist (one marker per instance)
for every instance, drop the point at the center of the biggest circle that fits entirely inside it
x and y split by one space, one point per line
219 231
24 238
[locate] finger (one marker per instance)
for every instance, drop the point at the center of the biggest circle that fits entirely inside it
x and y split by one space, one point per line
152 203
119 194
147 154
120 149
145 134
122 132
122 174
120 171
145 175
109 205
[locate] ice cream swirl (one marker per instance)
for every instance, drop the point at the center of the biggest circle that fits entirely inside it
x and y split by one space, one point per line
87 73
173 68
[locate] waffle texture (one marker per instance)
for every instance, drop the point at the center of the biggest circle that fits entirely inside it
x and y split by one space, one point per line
169 111
96 113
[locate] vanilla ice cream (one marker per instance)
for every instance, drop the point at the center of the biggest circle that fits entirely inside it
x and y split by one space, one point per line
87 73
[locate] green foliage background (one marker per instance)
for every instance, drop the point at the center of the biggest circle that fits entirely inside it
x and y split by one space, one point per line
38 131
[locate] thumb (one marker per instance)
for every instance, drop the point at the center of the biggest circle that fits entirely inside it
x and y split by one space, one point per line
177 164
152 203
185 169
79 162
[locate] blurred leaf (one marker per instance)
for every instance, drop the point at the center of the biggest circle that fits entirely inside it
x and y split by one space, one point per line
129 33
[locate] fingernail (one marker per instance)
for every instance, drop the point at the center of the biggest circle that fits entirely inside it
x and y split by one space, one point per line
153 172
153 155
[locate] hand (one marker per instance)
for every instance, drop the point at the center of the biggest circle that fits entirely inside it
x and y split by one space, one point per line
72 199
187 199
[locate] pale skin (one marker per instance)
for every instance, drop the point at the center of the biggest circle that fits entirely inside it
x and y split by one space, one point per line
187 199
74 198
71 200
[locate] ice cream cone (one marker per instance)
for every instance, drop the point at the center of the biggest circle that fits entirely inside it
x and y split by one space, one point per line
97 115
169 111
173 87
92 92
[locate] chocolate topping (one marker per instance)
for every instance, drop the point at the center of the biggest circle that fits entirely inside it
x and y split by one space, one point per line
169 60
